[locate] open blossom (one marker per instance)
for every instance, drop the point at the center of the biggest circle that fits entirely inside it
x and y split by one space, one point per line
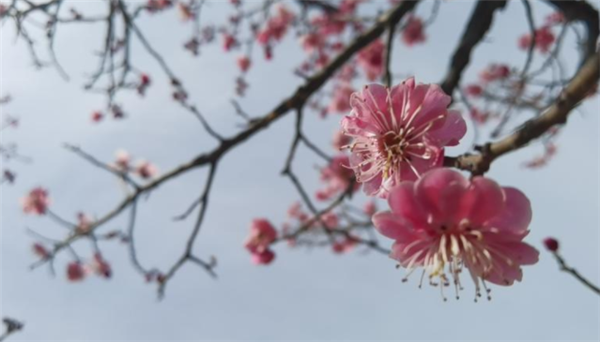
445 223
495 72
335 23
262 235
337 177
36 202
344 245
371 59
399 133
479 117
474 90
340 101
544 38
276 27
413 32
312 42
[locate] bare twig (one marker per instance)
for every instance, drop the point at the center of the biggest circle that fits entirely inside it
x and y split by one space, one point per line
564 267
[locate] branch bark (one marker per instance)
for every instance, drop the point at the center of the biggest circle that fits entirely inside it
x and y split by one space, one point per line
579 87
478 26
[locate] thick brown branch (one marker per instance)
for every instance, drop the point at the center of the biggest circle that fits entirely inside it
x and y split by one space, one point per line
478 26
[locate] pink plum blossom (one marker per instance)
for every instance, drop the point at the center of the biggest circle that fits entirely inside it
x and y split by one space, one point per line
334 23
371 59
330 220
328 25
344 245
295 212
263 258
399 133
413 32
312 42
495 72
340 102
337 178
36 202
478 116
158 5
262 235
445 223
544 38
276 27
474 90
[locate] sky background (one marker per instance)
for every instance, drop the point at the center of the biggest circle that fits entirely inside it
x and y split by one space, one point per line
304 294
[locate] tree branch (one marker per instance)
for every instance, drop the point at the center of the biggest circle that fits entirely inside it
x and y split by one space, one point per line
557 114
478 26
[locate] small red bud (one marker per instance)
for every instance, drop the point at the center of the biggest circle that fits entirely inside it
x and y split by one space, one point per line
551 244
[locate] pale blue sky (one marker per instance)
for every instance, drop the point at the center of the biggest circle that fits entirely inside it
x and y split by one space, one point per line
304 294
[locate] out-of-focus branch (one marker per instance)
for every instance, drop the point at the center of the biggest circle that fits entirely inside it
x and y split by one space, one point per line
11 326
579 87
211 158
388 55
296 100
478 26
588 15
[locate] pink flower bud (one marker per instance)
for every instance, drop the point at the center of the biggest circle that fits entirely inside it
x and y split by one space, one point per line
75 272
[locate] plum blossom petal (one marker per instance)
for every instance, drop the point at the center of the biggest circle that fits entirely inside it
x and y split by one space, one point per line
399 133
446 223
